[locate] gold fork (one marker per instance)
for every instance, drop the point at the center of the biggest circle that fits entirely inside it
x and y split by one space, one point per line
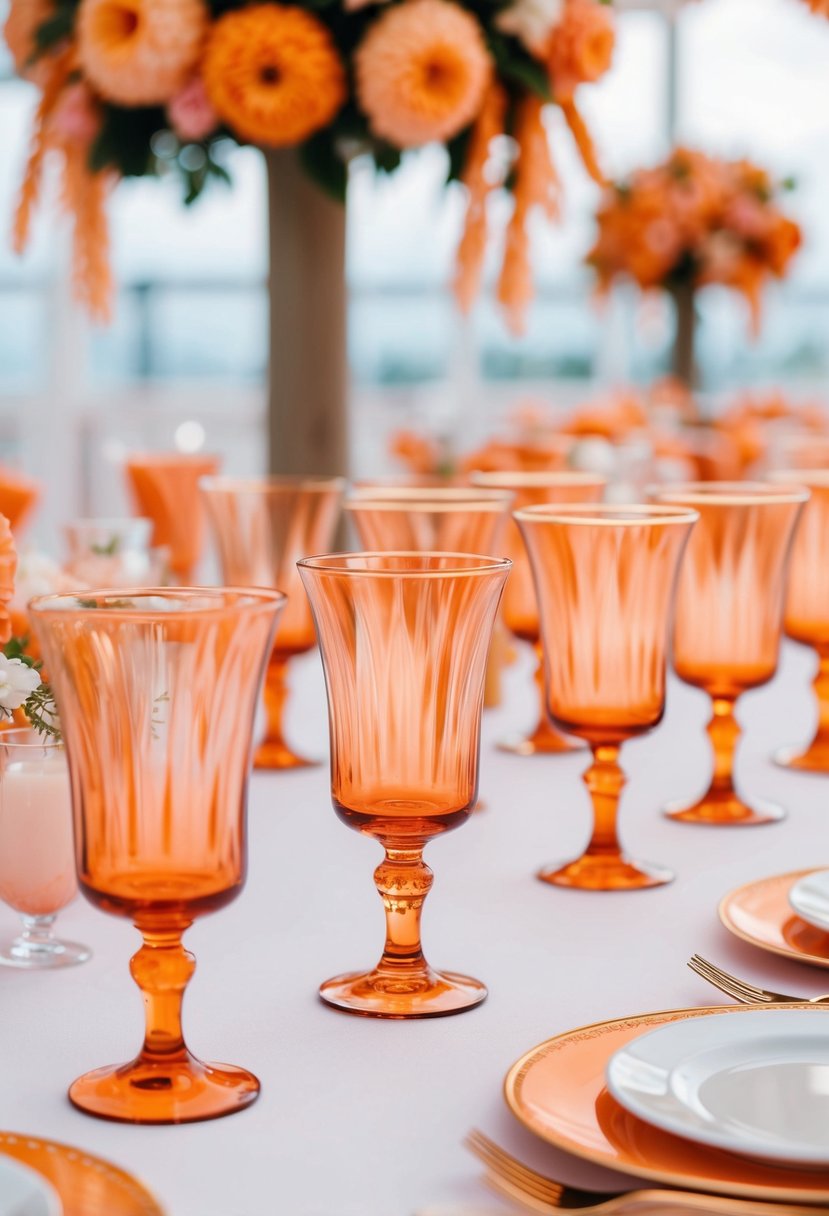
505 1174
741 990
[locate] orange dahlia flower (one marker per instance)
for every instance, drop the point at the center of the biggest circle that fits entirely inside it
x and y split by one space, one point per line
581 46
819 6
22 23
140 52
422 71
273 74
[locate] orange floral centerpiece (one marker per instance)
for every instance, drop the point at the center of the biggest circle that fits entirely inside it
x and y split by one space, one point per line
692 221
136 87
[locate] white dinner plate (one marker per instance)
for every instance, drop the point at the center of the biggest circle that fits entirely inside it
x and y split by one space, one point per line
809 897
24 1192
755 1083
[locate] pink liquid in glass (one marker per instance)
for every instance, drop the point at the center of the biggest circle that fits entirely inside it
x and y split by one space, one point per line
37 861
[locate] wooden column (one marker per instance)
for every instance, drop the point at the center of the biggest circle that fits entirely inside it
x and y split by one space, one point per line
308 380
684 358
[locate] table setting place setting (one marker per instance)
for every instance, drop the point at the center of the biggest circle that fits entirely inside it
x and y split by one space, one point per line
131 704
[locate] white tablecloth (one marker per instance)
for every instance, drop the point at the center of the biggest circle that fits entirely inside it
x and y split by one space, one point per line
360 1117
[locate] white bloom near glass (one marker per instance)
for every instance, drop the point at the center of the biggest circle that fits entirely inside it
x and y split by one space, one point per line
37 859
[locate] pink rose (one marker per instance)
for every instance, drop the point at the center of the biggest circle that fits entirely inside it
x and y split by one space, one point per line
190 113
76 118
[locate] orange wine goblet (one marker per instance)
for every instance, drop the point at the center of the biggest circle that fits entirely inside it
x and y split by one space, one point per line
729 618
157 691
404 639
164 487
605 578
262 527
807 607
520 608
445 519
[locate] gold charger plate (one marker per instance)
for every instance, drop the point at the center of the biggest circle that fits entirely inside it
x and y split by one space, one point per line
86 1185
760 913
557 1090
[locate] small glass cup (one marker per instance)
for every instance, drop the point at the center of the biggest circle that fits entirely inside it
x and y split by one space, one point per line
111 552
37 858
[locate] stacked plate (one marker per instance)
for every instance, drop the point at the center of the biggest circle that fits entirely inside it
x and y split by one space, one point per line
732 1100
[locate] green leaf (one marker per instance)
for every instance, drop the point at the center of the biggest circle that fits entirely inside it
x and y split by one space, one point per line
321 161
387 158
515 64
123 141
55 28
219 171
457 149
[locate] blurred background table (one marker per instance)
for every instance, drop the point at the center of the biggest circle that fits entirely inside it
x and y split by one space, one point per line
360 1117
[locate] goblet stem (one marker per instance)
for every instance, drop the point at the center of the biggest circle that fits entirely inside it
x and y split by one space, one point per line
403 880
164 1083
403 985
604 866
721 805
37 946
162 969
605 780
815 758
274 751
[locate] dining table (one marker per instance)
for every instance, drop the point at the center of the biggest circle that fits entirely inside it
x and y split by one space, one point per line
361 1116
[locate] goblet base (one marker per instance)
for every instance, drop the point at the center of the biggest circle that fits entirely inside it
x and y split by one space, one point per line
427 994
725 810
42 956
277 755
815 759
594 873
156 1090
544 741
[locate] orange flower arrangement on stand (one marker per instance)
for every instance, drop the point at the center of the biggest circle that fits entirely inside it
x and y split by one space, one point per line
138 87
694 221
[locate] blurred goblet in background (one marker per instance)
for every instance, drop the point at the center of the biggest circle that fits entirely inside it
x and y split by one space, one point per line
262 527
520 604
605 577
113 553
404 639
157 692
164 487
419 519
807 606
729 618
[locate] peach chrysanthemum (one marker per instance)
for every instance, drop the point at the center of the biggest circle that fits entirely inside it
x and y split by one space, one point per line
20 32
273 73
580 47
422 71
140 52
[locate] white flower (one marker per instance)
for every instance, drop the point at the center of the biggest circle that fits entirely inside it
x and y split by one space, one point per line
531 21
38 574
17 682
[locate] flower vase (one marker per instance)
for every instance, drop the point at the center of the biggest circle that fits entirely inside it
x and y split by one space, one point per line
683 357
308 381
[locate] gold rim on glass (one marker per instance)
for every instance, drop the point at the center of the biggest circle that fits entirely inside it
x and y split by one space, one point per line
83 603
726 493
631 514
463 563
536 479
